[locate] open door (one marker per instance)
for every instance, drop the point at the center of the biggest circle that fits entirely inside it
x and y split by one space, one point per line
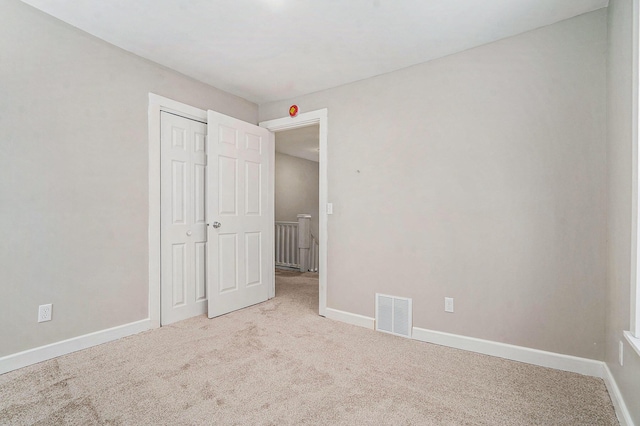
240 214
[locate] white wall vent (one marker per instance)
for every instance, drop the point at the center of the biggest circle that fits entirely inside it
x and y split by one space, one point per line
393 315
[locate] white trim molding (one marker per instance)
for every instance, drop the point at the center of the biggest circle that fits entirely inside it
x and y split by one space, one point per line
585 366
349 318
588 367
574 364
635 185
634 342
64 347
321 118
622 412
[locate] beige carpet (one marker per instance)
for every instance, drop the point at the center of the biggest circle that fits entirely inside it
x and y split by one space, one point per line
278 363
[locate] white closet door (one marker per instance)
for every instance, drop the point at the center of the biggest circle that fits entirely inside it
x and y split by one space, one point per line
183 233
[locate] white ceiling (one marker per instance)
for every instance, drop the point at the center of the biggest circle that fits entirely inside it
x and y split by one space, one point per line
266 50
302 142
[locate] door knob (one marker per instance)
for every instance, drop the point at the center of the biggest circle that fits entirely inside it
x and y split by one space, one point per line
217 225
189 233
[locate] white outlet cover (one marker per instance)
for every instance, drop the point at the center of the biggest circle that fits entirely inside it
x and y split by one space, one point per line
44 312
621 352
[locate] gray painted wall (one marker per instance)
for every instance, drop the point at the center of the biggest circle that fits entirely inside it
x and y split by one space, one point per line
74 176
296 189
620 178
480 176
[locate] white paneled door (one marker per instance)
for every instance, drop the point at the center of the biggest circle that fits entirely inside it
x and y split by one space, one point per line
183 234
240 215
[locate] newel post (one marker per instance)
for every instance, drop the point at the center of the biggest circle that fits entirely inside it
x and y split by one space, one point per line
304 241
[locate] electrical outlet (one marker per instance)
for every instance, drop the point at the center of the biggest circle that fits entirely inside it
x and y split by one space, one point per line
44 312
448 304
620 352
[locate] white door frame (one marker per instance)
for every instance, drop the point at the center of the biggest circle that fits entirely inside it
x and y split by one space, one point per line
319 117
157 104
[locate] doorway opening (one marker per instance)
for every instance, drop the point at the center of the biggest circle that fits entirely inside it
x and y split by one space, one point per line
314 122
297 199
296 203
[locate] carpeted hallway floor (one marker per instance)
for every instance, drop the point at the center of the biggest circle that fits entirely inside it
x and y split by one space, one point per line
279 363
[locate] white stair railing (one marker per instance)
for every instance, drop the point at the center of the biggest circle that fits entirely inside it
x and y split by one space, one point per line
314 255
295 246
286 234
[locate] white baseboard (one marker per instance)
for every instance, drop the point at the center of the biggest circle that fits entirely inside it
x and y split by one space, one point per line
588 367
624 417
349 318
515 353
574 364
43 353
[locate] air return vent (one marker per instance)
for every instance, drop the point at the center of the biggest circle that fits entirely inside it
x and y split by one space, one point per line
393 315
